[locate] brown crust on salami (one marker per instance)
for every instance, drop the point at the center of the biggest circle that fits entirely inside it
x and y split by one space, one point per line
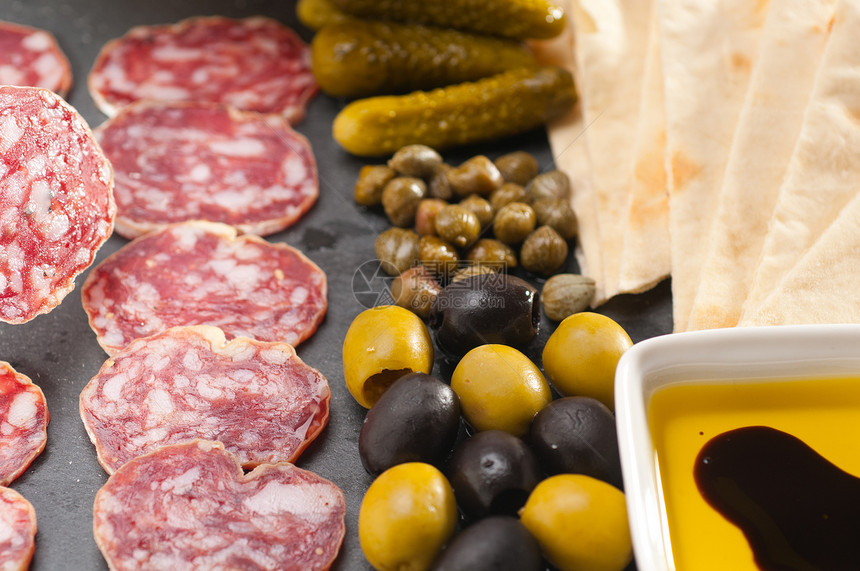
175 162
32 57
255 64
56 201
257 398
203 273
190 506
23 423
17 531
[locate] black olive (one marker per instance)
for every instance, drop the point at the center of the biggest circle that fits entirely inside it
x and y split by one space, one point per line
492 473
577 435
495 543
486 308
415 420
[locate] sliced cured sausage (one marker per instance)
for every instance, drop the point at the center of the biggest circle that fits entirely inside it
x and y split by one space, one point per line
257 398
202 273
17 531
256 64
189 506
23 423
200 161
56 200
32 57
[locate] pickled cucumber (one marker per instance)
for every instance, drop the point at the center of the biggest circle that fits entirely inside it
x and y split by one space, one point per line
540 19
494 107
318 13
361 58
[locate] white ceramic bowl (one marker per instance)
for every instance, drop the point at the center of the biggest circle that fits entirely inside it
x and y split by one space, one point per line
753 353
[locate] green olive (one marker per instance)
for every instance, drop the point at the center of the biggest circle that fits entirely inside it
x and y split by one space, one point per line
381 345
397 250
425 216
499 389
551 184
509 192
544 251
480 207
407 515
371 181
438 256
557 213
478 175
415 160
514 222
458 225
519 167
400 199
492 253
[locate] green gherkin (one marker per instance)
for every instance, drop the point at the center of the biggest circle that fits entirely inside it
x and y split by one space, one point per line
539 19
499 106
318 13
359 58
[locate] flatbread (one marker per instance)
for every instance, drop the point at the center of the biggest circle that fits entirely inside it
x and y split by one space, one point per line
611 43
793 41
824 286
824 172
645 259
708 47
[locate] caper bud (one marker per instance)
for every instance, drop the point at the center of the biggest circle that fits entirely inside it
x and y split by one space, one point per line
425 216
438 185
438 256
480 207
565 294
544 251
477 175
415 160
457 225
519 167
400 199
492 253
551 184
472 270
371 180
397 250
514 222
415 289
509 192
558 214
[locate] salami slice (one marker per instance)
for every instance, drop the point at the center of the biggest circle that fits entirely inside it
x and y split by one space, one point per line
189 506
255 64
17 531
202 273
32 57
257 398
56 200
198 161
23 423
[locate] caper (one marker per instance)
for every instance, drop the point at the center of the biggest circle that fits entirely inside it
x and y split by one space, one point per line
371 180
565 294
543 251
480 207
558 214
492 253
397 250
457 225
509 192
477 175
519 167
415 160
438 256
425 216
400 199
415 289
551 184
438 185
473 270
514 222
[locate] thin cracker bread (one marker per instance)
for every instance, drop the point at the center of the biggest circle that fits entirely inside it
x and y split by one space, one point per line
823 174
708 49
793 41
